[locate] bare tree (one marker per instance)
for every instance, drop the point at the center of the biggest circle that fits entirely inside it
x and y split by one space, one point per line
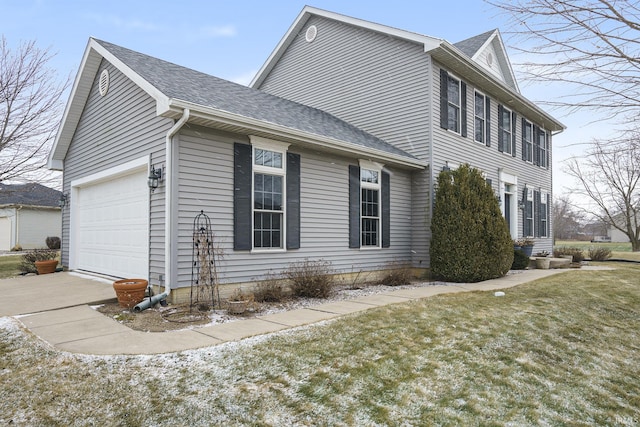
30 111
568 221
609 175
590 47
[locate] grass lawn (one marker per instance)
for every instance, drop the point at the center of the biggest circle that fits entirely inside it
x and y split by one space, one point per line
9 266
560 351
618 250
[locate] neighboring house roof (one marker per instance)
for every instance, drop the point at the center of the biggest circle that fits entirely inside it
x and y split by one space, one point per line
221 104
461 58
31 194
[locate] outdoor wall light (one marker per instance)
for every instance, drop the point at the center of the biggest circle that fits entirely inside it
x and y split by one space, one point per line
63 201
155 177
522 204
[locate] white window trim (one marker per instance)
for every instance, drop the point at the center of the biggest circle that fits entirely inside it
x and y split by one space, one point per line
457 131
376 167
260 143
528 123
508 143
484 118
543 149
544 200
533 213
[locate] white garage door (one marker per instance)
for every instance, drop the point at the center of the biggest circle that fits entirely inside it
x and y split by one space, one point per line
5 234
111 225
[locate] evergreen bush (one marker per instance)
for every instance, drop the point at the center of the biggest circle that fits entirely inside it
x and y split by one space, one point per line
520 260
470 240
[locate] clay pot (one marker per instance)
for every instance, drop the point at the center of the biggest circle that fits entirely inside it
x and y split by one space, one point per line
237 307
46 266
130 292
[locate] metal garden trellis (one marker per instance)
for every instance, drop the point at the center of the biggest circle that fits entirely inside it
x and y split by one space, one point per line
204 273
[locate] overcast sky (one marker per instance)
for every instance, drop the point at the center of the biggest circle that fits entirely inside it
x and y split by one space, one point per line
232 39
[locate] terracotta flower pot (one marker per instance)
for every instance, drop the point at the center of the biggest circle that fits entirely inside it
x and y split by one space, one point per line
46 266
130 291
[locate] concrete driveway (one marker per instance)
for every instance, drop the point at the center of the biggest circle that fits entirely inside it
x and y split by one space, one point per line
34 294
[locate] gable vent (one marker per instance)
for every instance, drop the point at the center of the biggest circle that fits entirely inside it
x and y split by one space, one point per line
103 84
311 33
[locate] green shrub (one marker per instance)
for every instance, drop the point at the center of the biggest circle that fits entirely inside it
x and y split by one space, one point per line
520 260
310 278
470 239
270 289
599 253
27 264
399 273
578 255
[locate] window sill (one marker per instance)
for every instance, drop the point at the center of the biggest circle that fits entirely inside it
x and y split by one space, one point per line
370 248
268 251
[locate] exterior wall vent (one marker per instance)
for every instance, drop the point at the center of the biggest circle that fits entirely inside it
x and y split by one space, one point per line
489 59
311 34
103 84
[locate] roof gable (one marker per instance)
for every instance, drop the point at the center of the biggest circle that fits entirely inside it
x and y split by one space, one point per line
488 50
464 58
31 194
175 87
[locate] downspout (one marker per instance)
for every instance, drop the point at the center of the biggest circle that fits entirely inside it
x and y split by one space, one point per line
168 217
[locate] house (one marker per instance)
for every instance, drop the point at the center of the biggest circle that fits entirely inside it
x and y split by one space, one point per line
29 213
331 154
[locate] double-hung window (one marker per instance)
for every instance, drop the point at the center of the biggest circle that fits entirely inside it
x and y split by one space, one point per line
505 129
543 212
528 213
527 141
370 207
269 175
454 104
542 146
480 117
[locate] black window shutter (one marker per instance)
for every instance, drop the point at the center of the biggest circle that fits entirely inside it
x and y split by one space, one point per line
523 123
536 212
354 206
293 201
386 210
242 177
444 99
488 121
463 109
500 125
513 133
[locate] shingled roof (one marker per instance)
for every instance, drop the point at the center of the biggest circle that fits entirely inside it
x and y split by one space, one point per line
181 83
31 194
471 45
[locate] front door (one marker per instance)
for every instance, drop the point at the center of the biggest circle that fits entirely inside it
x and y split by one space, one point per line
507 210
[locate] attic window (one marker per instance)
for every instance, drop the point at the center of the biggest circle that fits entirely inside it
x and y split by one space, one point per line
103 84
311 34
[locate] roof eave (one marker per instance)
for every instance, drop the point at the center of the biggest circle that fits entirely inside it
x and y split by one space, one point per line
449 55
93 55
309 11
254 126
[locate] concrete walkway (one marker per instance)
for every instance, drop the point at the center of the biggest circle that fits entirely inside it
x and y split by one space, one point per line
56 308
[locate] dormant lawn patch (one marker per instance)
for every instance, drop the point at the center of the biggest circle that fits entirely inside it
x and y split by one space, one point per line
563 350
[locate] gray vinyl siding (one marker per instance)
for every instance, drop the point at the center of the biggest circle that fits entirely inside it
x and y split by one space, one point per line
373 81
113 130
451 147
206 183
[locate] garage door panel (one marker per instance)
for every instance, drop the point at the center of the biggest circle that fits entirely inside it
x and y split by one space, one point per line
113 226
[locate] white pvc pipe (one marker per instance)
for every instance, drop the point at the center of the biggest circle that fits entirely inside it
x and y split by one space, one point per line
168 198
